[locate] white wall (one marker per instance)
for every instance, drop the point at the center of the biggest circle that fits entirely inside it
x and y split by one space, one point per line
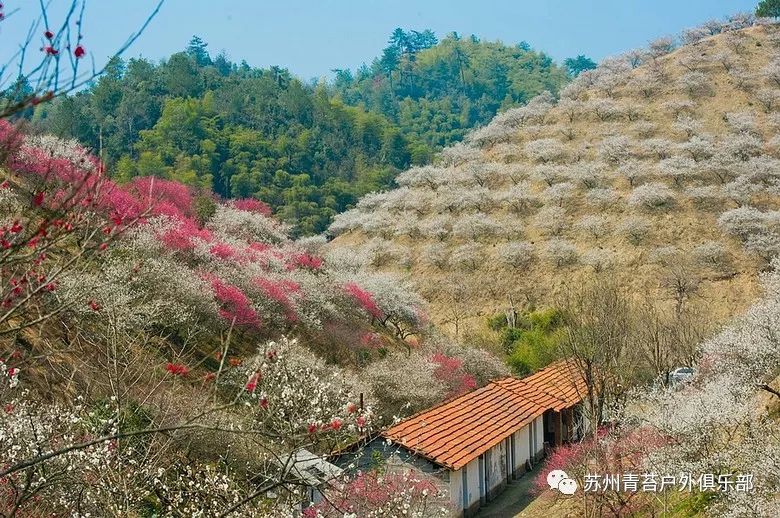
472 485
522 450
497 465
538 424
456 488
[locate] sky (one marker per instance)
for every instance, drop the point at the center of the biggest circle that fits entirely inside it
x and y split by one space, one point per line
312 37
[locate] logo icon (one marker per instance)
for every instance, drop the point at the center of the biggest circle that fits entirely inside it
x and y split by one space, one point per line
558 479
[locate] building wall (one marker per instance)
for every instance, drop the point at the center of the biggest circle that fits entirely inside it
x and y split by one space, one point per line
472 488
496 466
539 443
522 449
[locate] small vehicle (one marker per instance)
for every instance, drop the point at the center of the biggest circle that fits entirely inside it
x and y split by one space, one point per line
681 375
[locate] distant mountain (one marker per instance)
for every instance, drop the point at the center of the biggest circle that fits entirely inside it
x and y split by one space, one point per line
308 150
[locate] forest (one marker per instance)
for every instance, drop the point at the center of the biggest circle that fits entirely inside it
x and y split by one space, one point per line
308 149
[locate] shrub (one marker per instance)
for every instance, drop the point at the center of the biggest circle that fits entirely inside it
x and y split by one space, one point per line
559 193
708 196
695 84
551 220
468 256
545 150
436 254
652 196
635 229
615 150
602 198
598 259
517 254
711 253
594 226
561 252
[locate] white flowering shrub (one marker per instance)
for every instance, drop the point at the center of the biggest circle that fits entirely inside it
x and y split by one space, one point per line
615 150
711 253
551 220
745 221
560 252
698 147
545 150
559 193
467 257
652 196
516 254
436 254
593 226
635 229
598 259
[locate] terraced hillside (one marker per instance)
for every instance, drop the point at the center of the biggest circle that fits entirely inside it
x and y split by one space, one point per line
660 168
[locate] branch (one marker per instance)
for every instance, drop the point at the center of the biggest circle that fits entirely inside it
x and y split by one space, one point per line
769 389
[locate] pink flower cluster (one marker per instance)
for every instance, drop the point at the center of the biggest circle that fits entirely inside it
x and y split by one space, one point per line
450 371
364 298
235 306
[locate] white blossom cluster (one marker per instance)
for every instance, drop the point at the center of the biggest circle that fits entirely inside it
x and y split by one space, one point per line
718 422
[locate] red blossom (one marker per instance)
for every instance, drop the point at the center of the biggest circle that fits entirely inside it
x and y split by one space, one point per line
351 408
251 384
50 51
209 377
9 407
94 305
336 424
79 51
37 199
234 362
263 403
49 35
312 428
450 371
252 205
310 262
360 422
280 292
16 227
177 369
235 306
271 355
364 298
223 251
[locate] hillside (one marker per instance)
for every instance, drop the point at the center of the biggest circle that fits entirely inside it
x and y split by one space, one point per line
307 149
157 335
659 170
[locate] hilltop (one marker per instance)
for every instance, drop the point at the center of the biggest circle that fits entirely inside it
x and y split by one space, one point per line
307 149
658 169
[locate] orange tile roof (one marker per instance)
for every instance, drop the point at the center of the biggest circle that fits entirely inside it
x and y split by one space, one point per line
458 431
562 380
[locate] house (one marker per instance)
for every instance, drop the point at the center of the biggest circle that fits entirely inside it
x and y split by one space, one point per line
314 472
478 442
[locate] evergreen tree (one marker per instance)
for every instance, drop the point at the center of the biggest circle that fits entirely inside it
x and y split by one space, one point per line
768 8
578 65
196 49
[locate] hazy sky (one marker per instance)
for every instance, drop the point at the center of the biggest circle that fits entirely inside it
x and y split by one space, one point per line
310 37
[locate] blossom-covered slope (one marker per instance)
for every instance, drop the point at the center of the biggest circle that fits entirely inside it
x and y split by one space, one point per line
183 345
660 168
